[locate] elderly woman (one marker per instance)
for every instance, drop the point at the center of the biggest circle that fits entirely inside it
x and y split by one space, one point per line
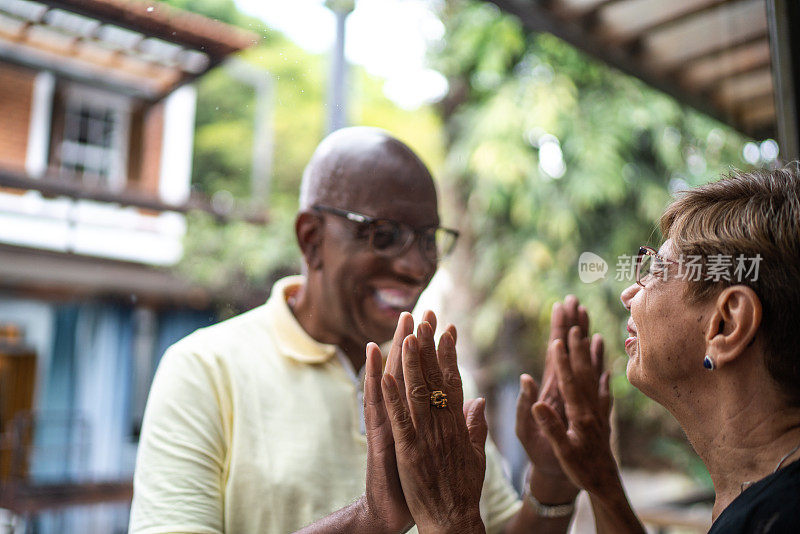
717 346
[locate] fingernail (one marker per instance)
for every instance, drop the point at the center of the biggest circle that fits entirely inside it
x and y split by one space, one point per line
446 337
412 343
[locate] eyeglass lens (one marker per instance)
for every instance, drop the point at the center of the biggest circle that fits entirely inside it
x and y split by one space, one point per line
390 239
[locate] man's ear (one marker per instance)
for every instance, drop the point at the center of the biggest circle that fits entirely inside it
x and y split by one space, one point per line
734 323
308 228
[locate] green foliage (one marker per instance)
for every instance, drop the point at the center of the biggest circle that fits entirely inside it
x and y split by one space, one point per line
239 259
625 149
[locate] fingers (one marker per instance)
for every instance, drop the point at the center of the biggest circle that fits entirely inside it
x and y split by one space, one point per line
558 322
476 422
583 320
373 400
428 359
567 315
448 361
604 394
451 331
571 311
566 379
597 351
399 417
429 317
564 316
580 360
552 426
394 363
528 392
558 330
451 328
418 394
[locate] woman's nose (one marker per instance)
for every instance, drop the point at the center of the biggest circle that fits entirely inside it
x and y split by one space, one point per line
628 293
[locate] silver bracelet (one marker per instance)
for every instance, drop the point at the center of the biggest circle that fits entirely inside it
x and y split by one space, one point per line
551 511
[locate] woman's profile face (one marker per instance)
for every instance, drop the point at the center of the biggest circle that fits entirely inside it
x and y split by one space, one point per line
667 333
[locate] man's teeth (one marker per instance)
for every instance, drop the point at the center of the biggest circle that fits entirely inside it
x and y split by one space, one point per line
395 299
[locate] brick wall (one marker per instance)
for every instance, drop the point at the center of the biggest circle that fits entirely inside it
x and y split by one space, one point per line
16 92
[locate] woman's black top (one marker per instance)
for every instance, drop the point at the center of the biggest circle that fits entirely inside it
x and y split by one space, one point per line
771 505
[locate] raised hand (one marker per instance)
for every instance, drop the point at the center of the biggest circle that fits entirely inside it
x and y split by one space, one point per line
383 497
549 484
440 449
582 444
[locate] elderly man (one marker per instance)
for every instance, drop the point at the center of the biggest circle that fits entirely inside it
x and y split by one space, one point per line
256 424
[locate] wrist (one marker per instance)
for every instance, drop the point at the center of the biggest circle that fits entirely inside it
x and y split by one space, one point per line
369 520
550 488
608 493
606 485
470 523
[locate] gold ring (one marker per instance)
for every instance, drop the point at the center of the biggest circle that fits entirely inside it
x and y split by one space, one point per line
439 399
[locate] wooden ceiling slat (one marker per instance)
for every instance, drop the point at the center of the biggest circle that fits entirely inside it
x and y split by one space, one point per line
684 35
725 27
88 56
50 40
573 10
676 69
700 74
93 65
744 87
13 29
93 55
758 113
156 19
626 21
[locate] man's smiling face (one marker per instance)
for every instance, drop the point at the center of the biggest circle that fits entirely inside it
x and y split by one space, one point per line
364 291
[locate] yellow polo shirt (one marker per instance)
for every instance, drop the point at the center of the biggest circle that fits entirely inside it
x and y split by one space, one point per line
253 427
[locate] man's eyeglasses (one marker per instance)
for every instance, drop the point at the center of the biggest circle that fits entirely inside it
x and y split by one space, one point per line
391 238
650 262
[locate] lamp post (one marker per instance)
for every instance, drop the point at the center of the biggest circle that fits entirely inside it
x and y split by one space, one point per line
337 115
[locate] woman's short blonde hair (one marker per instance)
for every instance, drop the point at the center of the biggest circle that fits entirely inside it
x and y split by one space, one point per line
750 213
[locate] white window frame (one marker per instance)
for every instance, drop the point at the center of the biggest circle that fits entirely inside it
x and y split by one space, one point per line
76 96
36 154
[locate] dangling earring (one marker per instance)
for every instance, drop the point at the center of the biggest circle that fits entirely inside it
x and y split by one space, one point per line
708 363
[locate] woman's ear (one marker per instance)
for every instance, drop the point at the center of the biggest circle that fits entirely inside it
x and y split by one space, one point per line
734 324
309 230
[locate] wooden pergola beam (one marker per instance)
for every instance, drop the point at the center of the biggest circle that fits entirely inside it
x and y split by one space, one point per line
537 18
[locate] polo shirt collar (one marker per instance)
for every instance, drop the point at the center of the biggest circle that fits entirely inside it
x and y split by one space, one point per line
292 340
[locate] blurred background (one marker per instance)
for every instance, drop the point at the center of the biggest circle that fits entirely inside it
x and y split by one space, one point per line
151 153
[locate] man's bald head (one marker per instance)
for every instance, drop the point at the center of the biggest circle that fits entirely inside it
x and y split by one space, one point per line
350 164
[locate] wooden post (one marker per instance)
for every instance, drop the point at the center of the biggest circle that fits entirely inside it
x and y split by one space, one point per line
784 43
